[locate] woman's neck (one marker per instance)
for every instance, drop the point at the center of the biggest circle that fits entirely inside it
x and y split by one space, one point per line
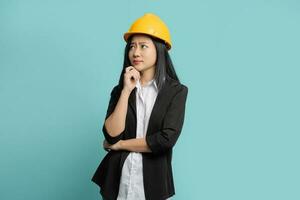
147 76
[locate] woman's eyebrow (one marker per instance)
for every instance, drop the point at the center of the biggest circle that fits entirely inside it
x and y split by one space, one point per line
139 42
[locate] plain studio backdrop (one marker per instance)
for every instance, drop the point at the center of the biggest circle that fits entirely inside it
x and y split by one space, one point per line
240 59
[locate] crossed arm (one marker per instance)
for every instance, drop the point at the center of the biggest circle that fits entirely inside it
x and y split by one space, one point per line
157 142
117 117
134 145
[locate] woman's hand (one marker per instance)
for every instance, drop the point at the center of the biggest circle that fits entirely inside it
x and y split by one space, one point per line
115 147
131 76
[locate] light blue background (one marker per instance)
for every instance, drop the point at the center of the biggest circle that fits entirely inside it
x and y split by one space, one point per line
240 59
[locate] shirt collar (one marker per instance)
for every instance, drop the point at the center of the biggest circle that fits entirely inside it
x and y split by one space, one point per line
151 82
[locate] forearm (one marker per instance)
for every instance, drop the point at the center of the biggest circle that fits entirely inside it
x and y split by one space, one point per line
135 145
115 123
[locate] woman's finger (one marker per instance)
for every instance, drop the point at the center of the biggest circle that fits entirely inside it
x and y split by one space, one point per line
137 74
131 74
127 69
105 144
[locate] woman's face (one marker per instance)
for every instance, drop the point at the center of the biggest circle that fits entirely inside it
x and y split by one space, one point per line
142 53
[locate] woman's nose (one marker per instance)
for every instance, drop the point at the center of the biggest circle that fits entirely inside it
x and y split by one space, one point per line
136 52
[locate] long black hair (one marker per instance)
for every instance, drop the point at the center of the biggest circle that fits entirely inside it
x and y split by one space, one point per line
164 68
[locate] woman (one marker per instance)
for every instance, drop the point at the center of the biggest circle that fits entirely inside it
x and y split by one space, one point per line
144 118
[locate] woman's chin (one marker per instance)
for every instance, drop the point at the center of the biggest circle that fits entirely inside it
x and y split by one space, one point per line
138 68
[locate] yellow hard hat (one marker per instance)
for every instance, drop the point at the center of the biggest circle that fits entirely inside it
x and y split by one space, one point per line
152 25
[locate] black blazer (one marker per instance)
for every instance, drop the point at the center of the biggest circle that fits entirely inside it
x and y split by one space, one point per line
164 128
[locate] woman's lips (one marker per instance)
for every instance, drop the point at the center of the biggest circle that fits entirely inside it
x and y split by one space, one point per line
137 61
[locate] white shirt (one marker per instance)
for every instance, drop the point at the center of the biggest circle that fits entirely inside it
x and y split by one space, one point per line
131 183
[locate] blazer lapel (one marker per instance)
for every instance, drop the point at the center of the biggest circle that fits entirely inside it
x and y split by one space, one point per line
132 100
160 101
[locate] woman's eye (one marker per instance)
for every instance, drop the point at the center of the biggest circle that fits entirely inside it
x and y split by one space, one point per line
144 46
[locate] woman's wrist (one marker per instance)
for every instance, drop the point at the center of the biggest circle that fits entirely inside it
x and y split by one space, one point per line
126 92
121 145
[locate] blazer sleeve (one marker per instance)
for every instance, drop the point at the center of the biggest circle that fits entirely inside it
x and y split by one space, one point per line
166 138
114 97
